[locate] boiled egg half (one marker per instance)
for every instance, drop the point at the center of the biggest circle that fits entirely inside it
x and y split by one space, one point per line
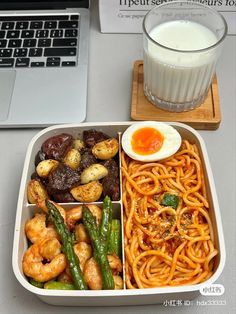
150 141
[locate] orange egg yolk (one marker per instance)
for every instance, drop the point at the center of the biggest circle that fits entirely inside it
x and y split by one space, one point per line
146 141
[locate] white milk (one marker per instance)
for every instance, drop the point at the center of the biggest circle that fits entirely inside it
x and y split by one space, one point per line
175 76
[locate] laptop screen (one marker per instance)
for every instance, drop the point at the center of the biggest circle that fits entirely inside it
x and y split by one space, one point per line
42 4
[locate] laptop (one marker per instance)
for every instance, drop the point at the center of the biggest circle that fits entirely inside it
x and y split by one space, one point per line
43 62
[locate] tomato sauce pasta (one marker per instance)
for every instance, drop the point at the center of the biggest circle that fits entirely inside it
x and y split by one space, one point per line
166 245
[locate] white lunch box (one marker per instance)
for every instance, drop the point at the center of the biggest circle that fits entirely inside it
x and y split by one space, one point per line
111 297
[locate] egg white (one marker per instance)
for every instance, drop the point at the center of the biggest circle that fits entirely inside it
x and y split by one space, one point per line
171 143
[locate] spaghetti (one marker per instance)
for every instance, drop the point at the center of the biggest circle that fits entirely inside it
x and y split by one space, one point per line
166 246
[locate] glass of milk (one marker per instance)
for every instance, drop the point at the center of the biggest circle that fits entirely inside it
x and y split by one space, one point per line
182 43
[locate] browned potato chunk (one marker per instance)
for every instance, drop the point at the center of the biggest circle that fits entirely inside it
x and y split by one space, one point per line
84 252
118 282
81 234
78 144
89 192
106 149
46 166
73 158
36 192
94 172
92 274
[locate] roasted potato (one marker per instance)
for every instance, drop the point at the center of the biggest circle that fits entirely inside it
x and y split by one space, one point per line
106 149
78 144
36 192
94 172
81 233
46 166
72 158
89 192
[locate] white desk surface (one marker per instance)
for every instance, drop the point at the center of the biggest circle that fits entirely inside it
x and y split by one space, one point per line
110 75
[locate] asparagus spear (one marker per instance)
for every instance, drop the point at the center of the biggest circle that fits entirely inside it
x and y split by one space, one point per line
36 283
105 226
67 243
56 285
99 248
114 242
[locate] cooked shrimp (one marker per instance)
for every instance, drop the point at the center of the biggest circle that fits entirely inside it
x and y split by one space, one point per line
50 248
36 228
81 234
92 274
34 266
74 214
43 206
97 212
65 277
118 282
115 263
84 251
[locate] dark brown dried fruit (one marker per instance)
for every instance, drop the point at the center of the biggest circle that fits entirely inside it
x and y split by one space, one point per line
112 167
87 159
63 198
40 156
91 137
35 176
57 146
62 179
111 187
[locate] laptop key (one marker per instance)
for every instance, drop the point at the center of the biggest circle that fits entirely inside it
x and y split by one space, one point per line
68 63
14 43
37 64
35 52
59 52
56 33
43 33
71 32
22 25
50 24
3 43
8 25
13 34
68 42
68 24
29 42
6 62
34 18
74 17
27 34
2 34
36 25
22 62
44 42
52 62
20 52
5 53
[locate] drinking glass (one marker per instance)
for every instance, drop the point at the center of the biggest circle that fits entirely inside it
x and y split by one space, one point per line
182 44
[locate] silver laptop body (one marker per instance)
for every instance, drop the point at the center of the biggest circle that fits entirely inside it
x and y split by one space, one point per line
43 84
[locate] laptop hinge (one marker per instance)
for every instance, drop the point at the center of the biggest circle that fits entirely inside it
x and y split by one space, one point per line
40 5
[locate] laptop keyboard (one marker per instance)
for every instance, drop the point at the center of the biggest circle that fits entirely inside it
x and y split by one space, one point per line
39 41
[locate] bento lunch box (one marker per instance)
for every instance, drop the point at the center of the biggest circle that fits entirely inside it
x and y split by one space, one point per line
111 297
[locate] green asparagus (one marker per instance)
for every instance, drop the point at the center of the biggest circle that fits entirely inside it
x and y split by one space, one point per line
99 249
114 242
36 283
56 285
105 226
67 244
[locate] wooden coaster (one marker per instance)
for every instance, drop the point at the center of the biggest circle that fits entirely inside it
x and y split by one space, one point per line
205 117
